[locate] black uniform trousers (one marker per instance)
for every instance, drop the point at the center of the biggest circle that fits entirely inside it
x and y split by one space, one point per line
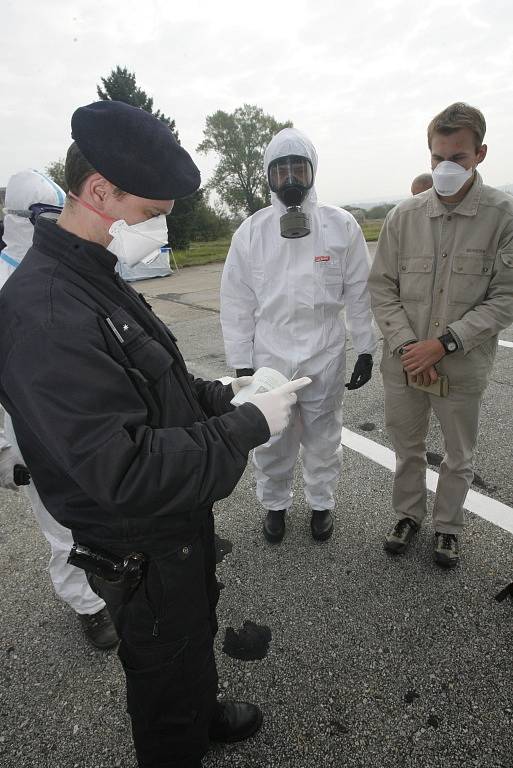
166 628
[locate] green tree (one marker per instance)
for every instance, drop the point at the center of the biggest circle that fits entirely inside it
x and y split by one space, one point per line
239 139
197 220
380 211
121 85
55 171
211 222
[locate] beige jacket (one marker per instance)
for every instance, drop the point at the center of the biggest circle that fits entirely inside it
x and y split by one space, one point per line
437 269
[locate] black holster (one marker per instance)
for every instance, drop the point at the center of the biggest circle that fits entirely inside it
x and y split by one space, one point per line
128 569
114 579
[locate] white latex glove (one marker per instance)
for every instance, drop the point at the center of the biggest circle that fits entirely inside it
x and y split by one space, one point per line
238 384
225 379
276 405
8 458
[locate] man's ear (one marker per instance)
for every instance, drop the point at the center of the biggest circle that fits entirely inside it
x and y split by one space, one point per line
481 153
97 189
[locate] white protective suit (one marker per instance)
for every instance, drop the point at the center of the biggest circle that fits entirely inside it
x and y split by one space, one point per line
281 307
70 583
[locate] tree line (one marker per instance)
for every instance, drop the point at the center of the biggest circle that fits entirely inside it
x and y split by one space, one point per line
238 183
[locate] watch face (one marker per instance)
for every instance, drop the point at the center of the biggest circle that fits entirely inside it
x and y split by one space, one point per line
452 346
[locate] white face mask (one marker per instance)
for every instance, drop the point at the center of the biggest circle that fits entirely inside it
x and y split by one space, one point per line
449 177
133 243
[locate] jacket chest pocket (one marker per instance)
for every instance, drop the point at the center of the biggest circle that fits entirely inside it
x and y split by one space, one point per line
415 278
145 360
328 279
470 277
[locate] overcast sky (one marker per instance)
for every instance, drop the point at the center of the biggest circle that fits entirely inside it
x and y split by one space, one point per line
362 79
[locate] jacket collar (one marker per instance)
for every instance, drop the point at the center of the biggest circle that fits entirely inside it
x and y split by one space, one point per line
467 207
81 255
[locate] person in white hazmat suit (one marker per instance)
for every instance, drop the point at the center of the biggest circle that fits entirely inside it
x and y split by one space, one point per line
290 270
30 194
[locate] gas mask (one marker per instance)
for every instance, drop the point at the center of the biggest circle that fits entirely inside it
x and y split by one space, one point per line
290 178
133 243
449 177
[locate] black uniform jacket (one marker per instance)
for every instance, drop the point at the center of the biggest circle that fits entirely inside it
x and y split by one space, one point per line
120 440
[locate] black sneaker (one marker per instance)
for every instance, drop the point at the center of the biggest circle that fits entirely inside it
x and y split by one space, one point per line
447 550
274 525
99 629
398 538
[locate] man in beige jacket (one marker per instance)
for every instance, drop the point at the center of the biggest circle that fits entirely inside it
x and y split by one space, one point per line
441 289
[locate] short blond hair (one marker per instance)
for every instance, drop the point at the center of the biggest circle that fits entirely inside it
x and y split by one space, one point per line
454 118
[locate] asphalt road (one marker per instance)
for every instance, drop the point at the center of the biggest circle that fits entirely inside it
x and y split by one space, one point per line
372 661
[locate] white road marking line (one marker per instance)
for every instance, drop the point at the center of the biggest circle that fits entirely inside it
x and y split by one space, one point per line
489 509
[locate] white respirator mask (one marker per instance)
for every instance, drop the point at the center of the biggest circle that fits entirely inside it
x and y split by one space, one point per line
133 243
449 177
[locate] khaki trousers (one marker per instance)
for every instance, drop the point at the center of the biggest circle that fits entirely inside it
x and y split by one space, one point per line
407 414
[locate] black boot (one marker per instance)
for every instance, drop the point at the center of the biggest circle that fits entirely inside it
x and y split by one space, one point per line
321 524
274 525
99 629
234 721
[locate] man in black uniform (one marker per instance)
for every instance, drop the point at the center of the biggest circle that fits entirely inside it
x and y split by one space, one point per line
124 446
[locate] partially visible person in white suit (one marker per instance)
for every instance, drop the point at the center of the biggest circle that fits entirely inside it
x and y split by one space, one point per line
30 194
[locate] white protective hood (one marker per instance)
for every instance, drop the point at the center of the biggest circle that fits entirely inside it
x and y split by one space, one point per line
290 141
23 190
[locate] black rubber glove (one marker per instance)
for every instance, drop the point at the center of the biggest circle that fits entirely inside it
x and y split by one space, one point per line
244 372
362 372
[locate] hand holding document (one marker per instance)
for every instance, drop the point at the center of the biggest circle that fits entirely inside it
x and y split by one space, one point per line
273 395
263 380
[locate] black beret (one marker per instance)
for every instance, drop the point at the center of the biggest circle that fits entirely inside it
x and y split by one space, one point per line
134 150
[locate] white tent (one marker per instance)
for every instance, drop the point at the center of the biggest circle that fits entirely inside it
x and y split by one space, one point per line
158 268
